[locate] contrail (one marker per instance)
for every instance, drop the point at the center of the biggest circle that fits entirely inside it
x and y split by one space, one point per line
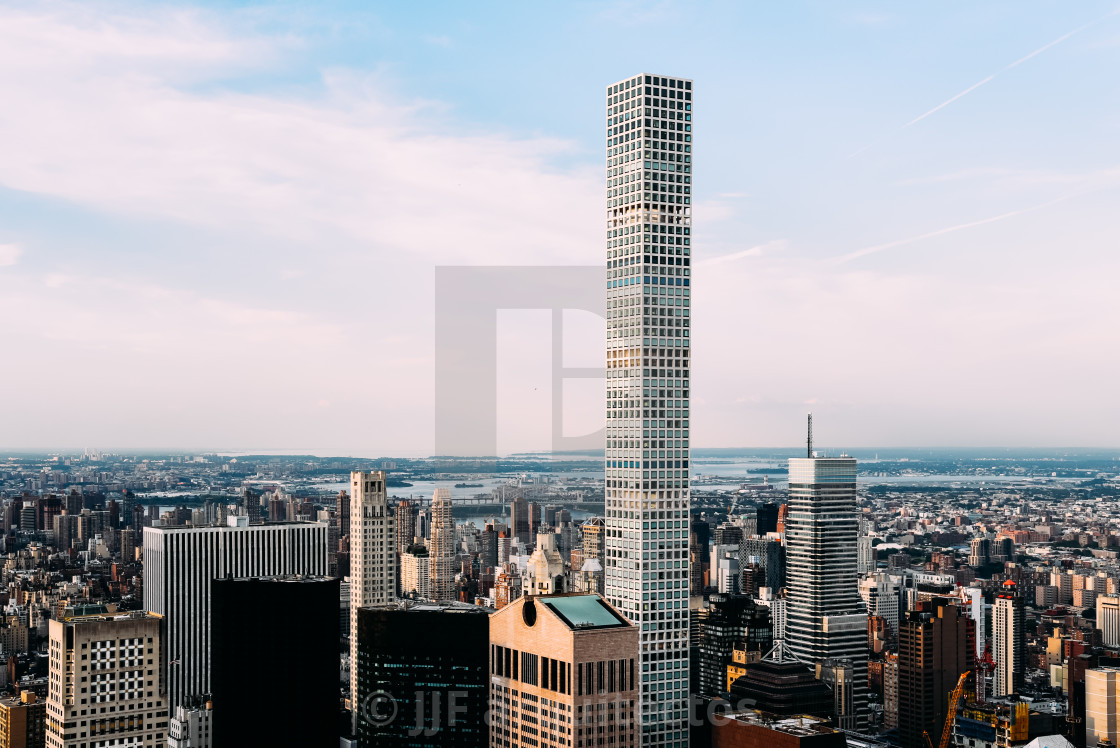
991 77
947 230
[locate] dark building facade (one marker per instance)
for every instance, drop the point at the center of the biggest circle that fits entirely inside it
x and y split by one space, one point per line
728 620
274 661
770 555
936 644
766 518
784 688
423 675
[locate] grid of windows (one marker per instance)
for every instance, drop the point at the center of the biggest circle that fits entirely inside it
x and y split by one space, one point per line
648 244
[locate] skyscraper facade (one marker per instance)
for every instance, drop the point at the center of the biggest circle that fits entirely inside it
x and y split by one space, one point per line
253 665
826 616
1009 640
373 558
425 665
935 646
441 556
648 238
181 562
112 662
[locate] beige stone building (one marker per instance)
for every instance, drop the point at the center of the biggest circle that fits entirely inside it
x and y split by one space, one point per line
373 558
564 671
106 682
1102 705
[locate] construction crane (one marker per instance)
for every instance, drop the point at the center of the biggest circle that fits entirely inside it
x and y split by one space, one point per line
954 699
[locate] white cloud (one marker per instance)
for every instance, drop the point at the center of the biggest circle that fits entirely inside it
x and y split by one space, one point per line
101 124
9 254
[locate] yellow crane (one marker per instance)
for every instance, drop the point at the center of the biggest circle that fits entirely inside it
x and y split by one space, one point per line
954 699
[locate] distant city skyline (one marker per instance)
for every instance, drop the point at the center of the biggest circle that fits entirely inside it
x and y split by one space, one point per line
220 223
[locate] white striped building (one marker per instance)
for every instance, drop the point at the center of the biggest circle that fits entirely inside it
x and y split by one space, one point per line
827 618
179 563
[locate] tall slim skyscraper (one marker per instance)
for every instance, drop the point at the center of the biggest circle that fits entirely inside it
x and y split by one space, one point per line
648 238
1009 640
827 618
180 563
373 559
441 556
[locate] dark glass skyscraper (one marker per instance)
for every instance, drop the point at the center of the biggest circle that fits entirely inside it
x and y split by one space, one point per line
422 675
274 662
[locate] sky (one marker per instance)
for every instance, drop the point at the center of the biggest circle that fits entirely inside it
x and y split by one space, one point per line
220 222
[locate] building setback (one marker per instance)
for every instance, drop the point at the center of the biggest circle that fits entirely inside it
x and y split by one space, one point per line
106 681
564 671
180 563
422 675
648 247
275 639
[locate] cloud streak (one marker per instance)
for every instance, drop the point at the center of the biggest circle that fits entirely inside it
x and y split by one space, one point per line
989 79
941 232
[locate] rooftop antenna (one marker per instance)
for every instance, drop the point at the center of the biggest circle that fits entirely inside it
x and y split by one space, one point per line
809 441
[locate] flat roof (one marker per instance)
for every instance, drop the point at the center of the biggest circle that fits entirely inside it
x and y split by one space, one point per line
584 611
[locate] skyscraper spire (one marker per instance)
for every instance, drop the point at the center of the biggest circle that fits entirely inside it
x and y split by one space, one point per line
809 441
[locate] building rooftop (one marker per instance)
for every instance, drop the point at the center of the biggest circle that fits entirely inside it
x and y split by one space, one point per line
802 725
428 606
584 611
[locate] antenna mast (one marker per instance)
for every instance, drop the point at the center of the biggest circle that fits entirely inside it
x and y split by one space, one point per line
809 441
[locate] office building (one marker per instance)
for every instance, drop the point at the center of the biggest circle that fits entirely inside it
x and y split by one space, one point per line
1102 705
782 685
768 554
255 669
564 671
826 618
593 539
935 646
427 664
519 524
373 558
180 563
106 681
727 621
766 518
415 574
405 514
881 594
23 721
980 552
441 552
1108 620
648 247
191 727
1009 642
865 555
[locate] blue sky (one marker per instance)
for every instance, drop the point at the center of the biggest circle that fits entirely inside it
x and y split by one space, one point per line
219 222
